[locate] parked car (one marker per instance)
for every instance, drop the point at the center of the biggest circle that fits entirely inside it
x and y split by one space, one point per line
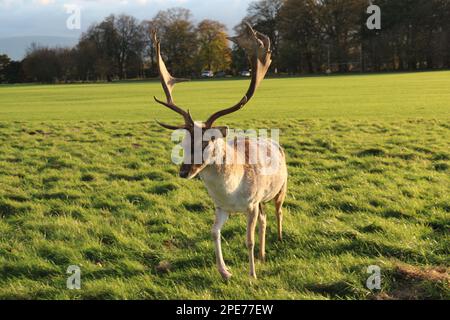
245 73
207 74
221 74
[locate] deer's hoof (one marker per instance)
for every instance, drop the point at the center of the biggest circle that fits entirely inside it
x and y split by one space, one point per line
253 276
226 275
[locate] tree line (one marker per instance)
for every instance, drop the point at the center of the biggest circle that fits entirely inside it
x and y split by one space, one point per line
120 47
312 36
308 36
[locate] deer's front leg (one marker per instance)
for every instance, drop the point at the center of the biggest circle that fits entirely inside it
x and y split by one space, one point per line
262 233
221 218
252 218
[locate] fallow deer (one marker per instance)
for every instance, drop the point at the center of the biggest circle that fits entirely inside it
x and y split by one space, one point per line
237 185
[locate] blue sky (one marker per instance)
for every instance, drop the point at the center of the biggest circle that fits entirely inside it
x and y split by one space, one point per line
48 17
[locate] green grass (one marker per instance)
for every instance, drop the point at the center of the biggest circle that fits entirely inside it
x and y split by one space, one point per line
393 96
86 179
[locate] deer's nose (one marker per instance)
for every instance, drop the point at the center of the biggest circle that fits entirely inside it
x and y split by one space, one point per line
184 172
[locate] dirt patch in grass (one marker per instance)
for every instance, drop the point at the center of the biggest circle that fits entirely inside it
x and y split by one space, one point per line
414 283
430 274
163 267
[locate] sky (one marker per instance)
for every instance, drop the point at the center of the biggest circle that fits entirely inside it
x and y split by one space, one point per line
19 18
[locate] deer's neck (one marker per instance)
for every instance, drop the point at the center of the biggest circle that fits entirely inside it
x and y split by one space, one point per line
226 175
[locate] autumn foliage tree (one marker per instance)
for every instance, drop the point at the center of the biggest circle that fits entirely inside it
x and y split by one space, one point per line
214 52
177 32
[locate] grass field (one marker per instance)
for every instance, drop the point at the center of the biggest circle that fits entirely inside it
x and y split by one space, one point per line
86 179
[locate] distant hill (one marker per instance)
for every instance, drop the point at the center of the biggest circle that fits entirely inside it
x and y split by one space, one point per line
15 47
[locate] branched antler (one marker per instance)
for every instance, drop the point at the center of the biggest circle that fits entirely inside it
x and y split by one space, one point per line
168 82
257 47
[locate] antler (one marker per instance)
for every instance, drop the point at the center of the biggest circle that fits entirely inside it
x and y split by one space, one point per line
258 48
168 82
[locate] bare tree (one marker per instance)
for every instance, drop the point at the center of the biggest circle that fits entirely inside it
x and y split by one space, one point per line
264 15
130 43
4 63
149 53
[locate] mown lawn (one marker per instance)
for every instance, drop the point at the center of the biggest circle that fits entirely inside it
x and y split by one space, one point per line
86 179
393 96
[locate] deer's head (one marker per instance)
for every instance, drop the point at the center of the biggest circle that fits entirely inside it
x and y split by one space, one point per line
200 135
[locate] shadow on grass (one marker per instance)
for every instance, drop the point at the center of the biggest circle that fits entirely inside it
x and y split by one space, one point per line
29 270
333 290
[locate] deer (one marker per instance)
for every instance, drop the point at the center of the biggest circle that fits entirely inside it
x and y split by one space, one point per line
236 186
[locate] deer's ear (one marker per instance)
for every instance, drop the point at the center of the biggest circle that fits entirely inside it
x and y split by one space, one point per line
223 130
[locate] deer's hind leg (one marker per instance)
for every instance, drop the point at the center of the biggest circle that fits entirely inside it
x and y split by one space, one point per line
279 201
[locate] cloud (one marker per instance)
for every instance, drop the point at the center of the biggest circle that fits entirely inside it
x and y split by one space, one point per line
48 17
46 2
